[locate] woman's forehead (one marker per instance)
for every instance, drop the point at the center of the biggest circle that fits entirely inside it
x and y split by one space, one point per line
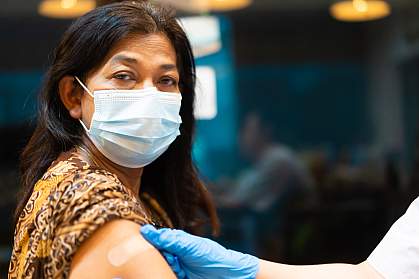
152 48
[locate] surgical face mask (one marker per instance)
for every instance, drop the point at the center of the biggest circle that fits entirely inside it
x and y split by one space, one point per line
132 128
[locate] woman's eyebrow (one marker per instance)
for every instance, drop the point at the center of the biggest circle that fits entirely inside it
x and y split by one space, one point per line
168 67
123 58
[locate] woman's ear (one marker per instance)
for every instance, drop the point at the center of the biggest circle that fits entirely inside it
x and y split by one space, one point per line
70 95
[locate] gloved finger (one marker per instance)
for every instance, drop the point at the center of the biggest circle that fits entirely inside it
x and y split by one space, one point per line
181 274
174 265
169 258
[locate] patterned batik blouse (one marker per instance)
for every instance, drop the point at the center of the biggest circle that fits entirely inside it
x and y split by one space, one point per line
70 202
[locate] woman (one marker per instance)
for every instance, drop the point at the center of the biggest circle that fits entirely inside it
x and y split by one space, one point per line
115 124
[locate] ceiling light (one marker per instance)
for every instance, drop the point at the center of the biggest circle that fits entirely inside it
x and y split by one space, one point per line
203 6
360 10
226 5
65 8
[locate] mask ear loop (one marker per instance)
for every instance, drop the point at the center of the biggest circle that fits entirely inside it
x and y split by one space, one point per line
84 86
88 92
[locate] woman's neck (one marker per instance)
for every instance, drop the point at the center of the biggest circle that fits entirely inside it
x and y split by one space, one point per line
129 177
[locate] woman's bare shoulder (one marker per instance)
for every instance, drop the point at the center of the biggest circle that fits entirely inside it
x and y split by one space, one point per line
117 250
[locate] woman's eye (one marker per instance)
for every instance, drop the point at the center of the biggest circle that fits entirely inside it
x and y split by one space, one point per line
168 81
123 76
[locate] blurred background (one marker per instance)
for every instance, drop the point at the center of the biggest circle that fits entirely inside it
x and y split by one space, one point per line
307 116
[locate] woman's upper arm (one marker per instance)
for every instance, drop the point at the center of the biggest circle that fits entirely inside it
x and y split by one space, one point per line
117 250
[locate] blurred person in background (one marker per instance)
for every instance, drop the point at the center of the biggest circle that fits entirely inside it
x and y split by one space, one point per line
276 173
115 113
264 193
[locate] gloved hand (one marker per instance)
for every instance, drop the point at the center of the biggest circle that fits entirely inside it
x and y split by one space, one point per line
195 257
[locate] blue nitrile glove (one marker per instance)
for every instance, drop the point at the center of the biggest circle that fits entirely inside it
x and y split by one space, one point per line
195 257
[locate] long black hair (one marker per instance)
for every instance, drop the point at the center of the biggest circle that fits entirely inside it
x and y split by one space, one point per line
172 179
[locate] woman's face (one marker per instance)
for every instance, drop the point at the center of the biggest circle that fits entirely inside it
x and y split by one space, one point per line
136 62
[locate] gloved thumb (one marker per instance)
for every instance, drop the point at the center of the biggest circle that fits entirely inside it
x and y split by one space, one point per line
165 239
151 234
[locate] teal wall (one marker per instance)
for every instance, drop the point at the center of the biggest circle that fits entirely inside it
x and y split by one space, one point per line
18 96
309 104
216 138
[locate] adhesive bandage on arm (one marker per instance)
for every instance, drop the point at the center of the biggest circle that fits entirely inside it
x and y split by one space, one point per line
127 249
